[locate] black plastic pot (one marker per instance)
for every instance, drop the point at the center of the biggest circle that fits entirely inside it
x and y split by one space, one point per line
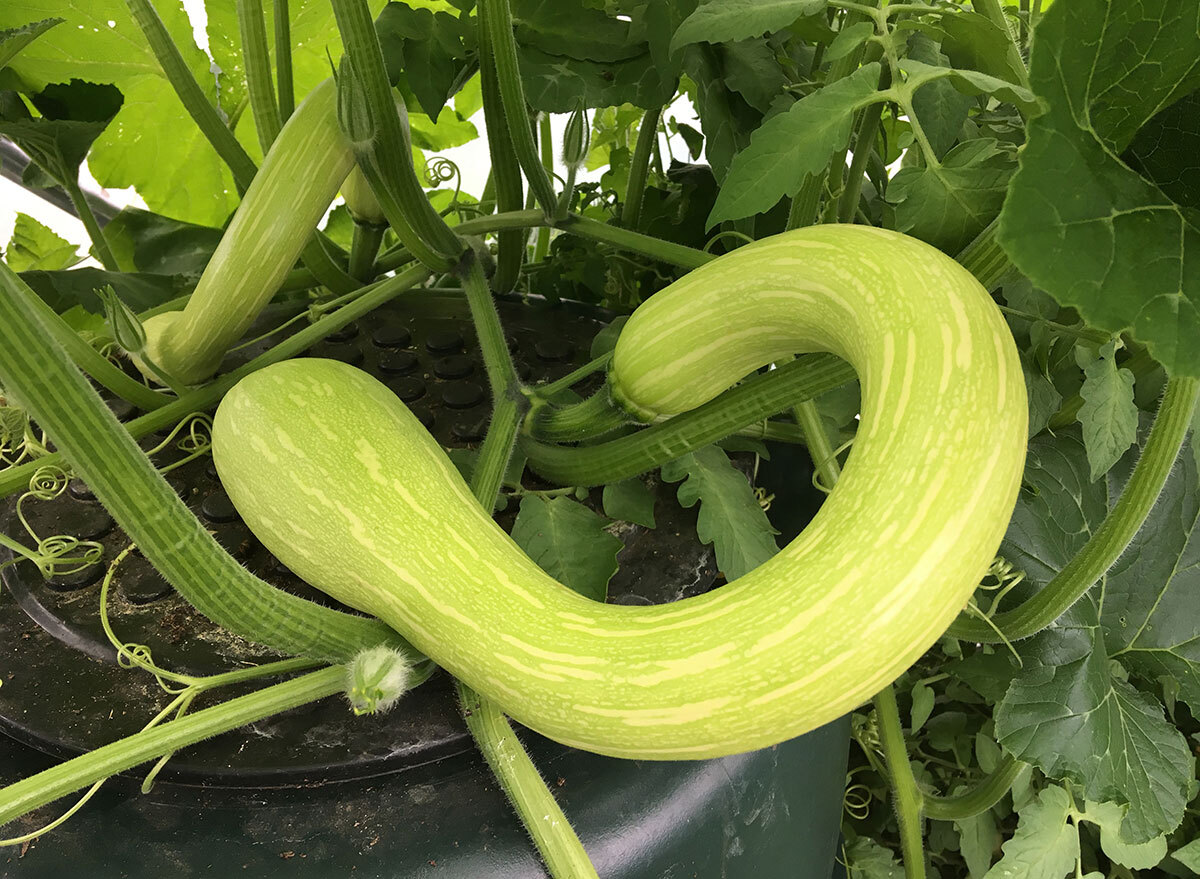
317 792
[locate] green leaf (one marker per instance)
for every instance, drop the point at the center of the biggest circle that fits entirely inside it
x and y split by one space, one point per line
72 116
730 516
922 705
867 859
1044 398
973 42
1108 817
13 40
969 82
557 84
34 246
140 290
949 205
977 840
726 119
568 541
430 50
1078 221
1108 415
630 500
151 144
849 39
792 145
1046 844
1189 855
1166 151
722 21
570 27
153 243
752 71
940 107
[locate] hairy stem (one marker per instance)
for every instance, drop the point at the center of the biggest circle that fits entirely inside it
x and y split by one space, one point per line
257 57
904 786
977 800
497 360
639 164
92 225
498 20
541 245
283 60
363 248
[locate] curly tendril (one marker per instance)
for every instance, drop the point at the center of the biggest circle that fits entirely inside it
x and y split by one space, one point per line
196 439
59 554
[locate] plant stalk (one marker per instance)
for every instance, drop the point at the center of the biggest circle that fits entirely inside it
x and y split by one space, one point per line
977 800
904 786
639 165
257 57
91 224
283 60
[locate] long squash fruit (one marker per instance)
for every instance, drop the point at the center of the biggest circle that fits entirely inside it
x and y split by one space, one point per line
265 237
340 481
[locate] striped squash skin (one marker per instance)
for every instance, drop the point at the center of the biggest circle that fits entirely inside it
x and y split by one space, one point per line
339 479
298 180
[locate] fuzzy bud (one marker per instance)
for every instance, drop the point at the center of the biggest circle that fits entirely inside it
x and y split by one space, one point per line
376 679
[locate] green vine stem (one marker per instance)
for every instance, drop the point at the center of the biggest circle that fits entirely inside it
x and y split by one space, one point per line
556 841
44 787
572 378
593 416
752 401
203 113
92 361
257 57
639 166
864 146
908 800
524 786
497 18
1110 539
283 60
17 478
505 175
541 244
364 246
370 117
977 800
497 359
106 457
91 224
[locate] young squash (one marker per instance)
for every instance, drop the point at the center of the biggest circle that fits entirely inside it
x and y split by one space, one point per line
342 482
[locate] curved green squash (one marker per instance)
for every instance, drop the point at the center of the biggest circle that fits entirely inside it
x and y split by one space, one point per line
340 481
298 180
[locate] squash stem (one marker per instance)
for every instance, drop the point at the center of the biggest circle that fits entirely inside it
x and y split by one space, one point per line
99 450
203 113
92 225
752 401
497 360
541 245
524 786
283 60
596 415
505 175
639 164
371 119
44 787
904 786
497 18
1120 526
364 246
257 57
977 800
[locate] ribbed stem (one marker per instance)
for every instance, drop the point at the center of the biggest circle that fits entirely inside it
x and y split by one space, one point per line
283 60
627 239
596 415
384 154
639 165
37 790
256 55
89 359
498 21
977 800
905 794
824 460
864 146
363 248
505 175
541 245
194 100
985 258
17 478
752 401
497 360
105 456
1111 538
